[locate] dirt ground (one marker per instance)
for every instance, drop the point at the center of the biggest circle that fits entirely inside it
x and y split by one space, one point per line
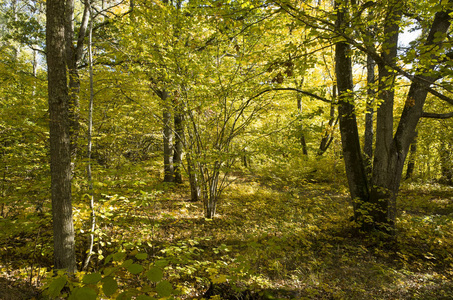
17 290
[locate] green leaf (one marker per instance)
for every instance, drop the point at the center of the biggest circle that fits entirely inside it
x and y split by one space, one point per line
155 274
161 263
135 268
110 286
56 286
108 271
124 296
164 289
119 256
91 278
127 263
83 293
141 256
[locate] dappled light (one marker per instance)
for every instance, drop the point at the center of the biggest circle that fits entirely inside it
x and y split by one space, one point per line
226 149
269 238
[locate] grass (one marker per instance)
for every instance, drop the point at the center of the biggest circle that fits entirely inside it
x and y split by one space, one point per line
291 239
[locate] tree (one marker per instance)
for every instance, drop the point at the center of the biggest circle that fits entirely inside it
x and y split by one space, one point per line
73 56
391 150
60 154
374 200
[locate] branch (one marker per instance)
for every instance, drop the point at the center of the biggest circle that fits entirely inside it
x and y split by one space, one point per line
82 32
439 95
109 21
437 116
292 89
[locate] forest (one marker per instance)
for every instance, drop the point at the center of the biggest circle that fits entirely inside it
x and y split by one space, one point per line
226 149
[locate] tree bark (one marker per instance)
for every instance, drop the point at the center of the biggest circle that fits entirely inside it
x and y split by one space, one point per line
382 209
74 80
328 136
210 194
369 130
89 142
391 153
355 171
60 155
195 190
168 140
178 148
303 143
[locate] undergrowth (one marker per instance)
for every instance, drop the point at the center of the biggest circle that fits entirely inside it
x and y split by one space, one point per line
274 237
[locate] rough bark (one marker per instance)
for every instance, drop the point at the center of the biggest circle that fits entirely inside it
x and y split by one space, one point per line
369 130
382 208
352 155
73 56
389 164
60 156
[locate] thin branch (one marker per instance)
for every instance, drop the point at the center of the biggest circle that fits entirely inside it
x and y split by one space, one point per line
440 95
437 116
292 89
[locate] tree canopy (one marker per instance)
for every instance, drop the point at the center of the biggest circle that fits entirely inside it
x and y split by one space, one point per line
247 149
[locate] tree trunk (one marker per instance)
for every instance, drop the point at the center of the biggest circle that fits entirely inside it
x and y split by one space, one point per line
355 171
390 154
382 209
303 143
375 208
195 190
178 148
327 138
168 140
60 155
89 142
211 193
369 131
74 80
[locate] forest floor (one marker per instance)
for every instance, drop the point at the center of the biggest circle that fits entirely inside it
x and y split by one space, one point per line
273 238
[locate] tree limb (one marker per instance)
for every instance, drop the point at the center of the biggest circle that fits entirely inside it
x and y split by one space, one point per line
292 89
439 95
437 116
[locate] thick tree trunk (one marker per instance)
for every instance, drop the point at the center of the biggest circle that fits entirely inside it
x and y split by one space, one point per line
73 55
375 208
390 154
60 155
355 171
382 209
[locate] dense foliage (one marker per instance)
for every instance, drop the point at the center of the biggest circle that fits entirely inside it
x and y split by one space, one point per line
236 104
